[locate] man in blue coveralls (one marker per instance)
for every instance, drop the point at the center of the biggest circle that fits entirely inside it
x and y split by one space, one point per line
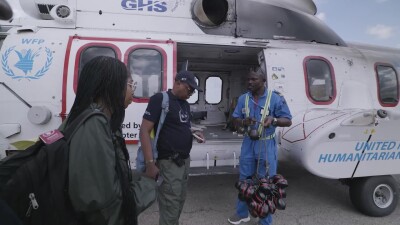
260 110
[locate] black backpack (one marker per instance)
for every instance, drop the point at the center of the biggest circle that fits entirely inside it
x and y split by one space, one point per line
34 182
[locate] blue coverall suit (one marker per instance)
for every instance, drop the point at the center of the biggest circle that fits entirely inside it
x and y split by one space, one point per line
250 151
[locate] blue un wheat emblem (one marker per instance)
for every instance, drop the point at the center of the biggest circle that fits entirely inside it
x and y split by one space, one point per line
25 63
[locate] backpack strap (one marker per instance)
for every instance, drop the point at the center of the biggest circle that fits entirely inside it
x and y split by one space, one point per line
85 115
164 111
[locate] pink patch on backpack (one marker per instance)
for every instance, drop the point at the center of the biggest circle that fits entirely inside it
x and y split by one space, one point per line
51 136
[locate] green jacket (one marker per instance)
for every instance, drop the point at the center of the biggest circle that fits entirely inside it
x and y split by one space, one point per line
94 187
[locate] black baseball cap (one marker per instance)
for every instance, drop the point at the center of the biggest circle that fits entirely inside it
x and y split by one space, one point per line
187 77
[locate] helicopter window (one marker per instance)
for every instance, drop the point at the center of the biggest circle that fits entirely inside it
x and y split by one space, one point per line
388 85
213 90
145 66
92 52
320 81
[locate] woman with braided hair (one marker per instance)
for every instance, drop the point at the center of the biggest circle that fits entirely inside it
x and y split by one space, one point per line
100 179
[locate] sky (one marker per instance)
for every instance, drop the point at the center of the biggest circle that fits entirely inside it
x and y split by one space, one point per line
375 22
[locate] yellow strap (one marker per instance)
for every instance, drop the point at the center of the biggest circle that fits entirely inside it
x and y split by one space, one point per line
266 102
247 106
272 136
266 112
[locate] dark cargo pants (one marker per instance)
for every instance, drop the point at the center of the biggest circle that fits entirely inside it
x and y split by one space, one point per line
172 191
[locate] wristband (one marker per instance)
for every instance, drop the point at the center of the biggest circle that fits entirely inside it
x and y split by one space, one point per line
149 161
274 122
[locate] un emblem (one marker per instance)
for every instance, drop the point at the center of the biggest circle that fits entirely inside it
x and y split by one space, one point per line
25 63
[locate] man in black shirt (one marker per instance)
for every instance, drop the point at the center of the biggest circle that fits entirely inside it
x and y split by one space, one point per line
173 145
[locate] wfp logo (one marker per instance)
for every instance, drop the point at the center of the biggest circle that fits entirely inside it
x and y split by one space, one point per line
146 5
25 66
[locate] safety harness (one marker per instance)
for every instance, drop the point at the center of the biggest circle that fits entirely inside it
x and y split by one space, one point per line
265 114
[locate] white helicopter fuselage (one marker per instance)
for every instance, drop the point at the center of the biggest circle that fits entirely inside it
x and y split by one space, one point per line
343 97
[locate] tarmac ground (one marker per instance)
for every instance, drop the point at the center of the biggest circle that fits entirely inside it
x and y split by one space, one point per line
311 200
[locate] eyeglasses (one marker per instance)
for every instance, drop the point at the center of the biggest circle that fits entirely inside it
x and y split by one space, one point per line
190 89
133 85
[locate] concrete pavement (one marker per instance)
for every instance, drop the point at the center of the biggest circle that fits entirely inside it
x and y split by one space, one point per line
311 200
